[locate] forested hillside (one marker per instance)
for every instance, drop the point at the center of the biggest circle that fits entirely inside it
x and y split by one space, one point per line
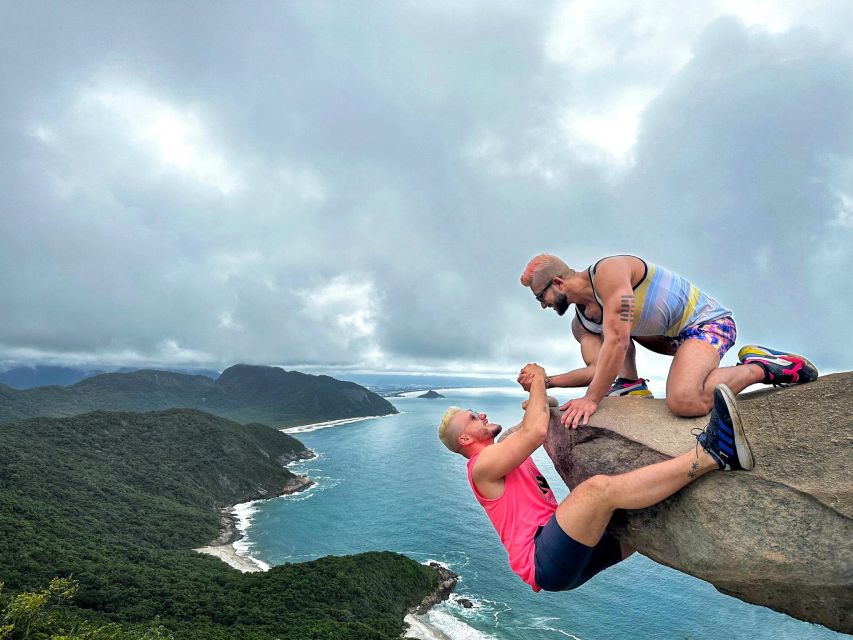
118 500
269 395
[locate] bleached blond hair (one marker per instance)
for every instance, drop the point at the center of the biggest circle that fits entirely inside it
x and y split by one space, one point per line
450 437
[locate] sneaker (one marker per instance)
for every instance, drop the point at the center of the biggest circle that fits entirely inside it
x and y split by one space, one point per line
780 368
628 387
723 437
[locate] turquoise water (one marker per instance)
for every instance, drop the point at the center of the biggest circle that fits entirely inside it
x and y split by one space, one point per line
388 483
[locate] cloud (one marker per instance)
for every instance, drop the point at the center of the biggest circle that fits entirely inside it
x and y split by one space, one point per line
174 137
743 155
359 188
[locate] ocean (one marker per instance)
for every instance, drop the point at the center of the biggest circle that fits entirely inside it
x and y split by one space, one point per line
389 484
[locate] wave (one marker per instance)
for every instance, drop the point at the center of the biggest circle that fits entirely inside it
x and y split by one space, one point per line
454 627
541 624
451 617
297 463
314 426
246 510
242 547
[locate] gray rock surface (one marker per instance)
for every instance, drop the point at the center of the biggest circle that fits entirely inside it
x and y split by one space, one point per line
779 536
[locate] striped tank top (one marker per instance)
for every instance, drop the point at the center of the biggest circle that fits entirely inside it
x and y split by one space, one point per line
665 304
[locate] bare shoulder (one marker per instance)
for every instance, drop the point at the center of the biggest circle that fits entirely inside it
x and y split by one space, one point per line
615 267
619 268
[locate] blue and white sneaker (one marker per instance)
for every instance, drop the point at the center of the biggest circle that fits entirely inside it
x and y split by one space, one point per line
628 387
723 437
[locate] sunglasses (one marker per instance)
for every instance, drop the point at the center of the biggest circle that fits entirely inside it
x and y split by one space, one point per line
541 295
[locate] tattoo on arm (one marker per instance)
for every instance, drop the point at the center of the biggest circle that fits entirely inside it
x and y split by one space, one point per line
626 309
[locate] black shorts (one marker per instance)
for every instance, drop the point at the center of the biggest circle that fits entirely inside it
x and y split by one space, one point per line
563 563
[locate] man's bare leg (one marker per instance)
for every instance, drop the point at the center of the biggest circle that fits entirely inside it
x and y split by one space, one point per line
629 364
591 346
586 512
694 374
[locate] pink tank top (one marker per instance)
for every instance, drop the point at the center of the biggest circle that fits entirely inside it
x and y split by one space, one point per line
526 503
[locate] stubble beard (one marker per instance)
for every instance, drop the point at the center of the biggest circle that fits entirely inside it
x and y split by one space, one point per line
561 304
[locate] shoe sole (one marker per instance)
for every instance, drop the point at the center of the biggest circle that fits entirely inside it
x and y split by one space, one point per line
633 394
764 352
744 450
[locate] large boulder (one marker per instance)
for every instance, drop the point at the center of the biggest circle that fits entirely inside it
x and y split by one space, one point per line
779 536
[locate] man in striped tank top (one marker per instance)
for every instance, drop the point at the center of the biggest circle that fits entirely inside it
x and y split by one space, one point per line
559 547
624 299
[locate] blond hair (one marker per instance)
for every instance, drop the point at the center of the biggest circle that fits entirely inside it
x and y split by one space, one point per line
449 436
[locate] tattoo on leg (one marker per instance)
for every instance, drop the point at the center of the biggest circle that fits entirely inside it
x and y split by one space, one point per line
626 309
693 469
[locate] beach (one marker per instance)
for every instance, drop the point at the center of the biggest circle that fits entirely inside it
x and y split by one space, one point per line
421 630
228 548
228 554
314 426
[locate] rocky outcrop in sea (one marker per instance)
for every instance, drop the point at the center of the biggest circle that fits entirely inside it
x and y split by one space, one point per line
446 582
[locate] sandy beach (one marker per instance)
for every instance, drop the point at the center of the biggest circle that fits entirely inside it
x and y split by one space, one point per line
418 629
235 520
233 523
421 630
314 426
227 553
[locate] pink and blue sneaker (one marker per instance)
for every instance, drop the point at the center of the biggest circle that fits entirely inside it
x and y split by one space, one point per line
628 387
780 368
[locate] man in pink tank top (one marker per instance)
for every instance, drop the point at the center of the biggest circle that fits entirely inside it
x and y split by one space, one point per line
560 546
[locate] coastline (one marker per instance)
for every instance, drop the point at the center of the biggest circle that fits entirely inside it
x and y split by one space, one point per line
314 426
228 555
420 630
234 520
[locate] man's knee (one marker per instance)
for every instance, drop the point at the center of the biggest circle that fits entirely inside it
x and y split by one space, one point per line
596 488
688 403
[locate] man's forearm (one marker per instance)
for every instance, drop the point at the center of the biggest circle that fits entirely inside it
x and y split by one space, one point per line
609 361
537 415
575 378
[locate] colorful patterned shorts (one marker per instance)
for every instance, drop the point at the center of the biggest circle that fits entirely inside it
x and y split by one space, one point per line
720 334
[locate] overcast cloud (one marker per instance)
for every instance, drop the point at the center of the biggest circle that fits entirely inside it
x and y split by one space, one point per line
354 185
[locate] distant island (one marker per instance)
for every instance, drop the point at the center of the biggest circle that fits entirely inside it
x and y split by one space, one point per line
118 500
245 393
431 395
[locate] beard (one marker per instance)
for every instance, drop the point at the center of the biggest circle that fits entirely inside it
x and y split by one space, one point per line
560 304
496 429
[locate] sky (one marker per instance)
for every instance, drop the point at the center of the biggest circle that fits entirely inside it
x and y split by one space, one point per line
357 186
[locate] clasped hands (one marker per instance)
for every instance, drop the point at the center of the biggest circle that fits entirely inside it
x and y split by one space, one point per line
577 411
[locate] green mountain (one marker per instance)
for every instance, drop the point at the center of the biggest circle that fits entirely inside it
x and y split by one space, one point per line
118 500
245 393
